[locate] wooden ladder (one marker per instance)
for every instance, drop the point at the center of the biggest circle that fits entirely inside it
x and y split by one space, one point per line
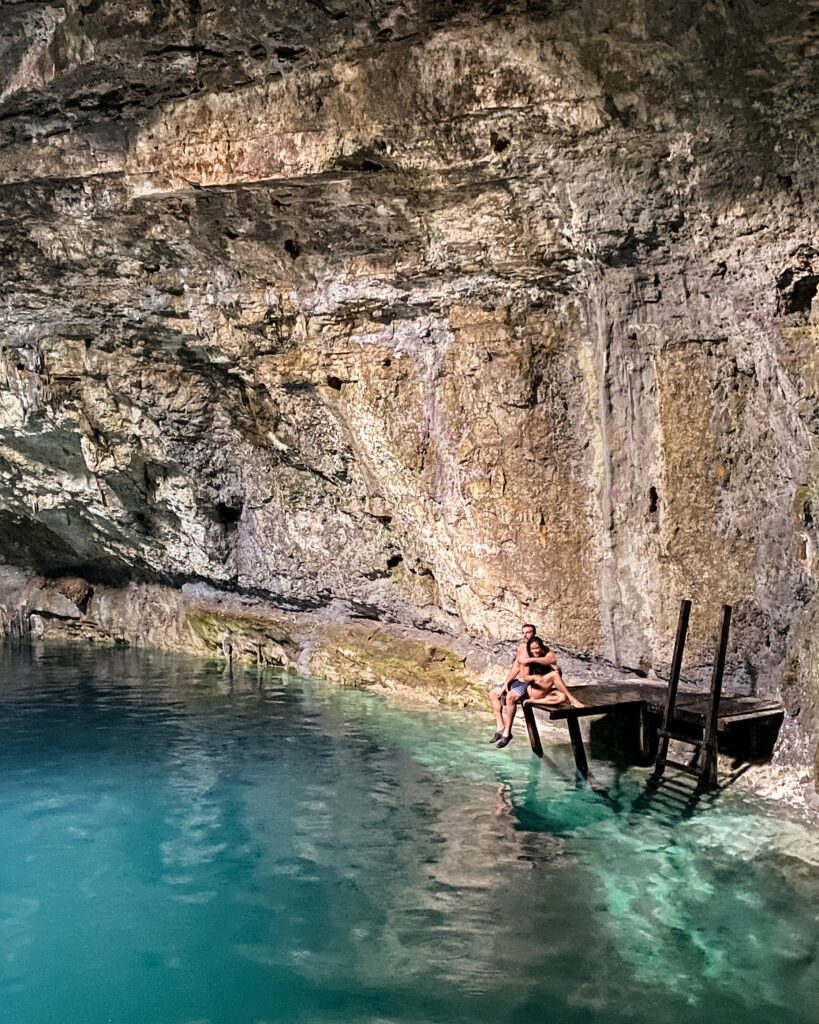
703 765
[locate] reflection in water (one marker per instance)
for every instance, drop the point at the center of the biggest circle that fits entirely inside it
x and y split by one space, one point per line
180 844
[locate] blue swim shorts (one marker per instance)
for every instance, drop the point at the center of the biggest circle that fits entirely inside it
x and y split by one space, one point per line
521 689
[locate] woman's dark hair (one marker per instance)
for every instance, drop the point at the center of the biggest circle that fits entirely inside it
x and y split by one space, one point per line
535 640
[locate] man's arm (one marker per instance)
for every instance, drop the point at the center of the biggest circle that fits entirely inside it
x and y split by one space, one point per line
515 669
512 674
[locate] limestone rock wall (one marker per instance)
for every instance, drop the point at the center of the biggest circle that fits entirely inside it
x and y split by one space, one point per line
444 314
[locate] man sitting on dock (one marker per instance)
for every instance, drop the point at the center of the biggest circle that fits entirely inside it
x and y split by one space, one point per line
534 677
505 696
499 695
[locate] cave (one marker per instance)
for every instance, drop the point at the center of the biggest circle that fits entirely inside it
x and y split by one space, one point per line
528 261
339 340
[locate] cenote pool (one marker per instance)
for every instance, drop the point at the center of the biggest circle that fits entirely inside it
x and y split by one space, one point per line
182 846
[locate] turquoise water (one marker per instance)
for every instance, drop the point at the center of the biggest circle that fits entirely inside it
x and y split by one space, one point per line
182 846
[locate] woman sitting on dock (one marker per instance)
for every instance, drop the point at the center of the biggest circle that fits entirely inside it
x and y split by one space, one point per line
544 678
534 679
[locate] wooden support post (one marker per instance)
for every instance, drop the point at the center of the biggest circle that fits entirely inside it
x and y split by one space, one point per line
646 735
578 749
708 766
673 684
532 729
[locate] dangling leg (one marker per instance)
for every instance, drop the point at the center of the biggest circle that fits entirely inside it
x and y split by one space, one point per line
497 709
512 698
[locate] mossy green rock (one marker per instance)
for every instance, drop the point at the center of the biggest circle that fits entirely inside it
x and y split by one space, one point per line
376 657
242 636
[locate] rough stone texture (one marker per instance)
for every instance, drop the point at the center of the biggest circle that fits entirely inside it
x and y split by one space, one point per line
372 656
443 314
407 663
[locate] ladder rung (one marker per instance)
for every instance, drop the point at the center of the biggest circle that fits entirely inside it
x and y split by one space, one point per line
680 767
674 784
674 798
679 736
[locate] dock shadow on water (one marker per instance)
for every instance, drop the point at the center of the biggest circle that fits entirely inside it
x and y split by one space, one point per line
181 845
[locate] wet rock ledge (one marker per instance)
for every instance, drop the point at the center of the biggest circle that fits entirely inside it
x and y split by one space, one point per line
406 662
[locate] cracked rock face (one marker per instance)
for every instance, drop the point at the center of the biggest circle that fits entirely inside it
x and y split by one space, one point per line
449 314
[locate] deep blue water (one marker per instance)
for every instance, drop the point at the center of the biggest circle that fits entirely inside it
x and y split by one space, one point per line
179 845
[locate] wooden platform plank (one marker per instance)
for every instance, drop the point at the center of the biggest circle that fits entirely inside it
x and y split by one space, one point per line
752 714
605 698
567 711
601 698
650 698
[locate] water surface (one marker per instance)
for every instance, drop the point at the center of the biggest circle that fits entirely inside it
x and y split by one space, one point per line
182 845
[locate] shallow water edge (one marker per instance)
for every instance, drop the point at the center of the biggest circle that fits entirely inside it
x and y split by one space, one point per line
237 846
455 678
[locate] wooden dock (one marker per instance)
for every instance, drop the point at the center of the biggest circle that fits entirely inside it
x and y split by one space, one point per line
664 713
601 698
648 701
